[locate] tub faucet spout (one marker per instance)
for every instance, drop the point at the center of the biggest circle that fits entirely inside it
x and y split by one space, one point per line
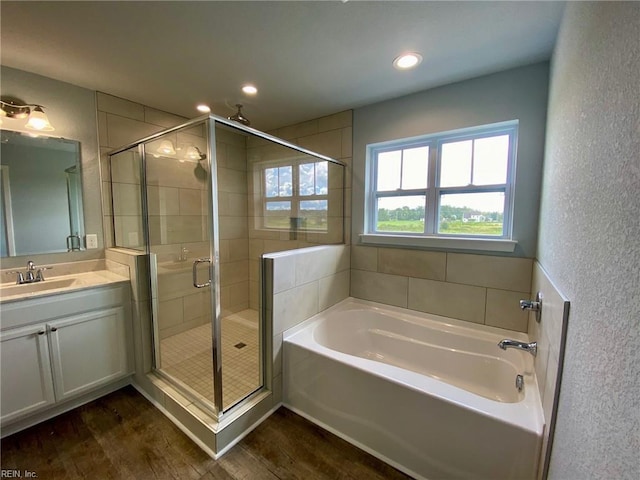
532 347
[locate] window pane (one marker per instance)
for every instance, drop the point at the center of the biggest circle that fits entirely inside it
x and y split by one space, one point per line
414 167
471 213
490 158
271 182
455 164
322 178
313 205
277 214
314 213
285 182
401 214
307 178
389 170
278 206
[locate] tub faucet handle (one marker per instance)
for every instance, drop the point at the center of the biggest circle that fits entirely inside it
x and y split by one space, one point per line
533 305
529 305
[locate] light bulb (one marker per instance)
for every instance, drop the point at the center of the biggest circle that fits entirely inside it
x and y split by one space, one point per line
38 120
249 89
407 60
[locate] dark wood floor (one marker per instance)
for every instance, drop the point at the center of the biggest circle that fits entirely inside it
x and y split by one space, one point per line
122 436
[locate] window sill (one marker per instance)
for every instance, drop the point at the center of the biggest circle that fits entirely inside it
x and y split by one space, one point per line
479 244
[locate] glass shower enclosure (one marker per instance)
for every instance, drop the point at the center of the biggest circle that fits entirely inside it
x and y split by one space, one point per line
205 200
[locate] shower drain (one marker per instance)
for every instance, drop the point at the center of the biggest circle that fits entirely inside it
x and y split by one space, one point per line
240 345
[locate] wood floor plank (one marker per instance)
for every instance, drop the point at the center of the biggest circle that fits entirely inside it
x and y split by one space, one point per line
243 465
320 449
123 436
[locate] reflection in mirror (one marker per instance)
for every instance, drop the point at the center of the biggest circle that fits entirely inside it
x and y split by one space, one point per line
40 195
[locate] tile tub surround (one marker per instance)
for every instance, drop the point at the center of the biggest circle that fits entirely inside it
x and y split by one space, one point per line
299 284
477 288
550 334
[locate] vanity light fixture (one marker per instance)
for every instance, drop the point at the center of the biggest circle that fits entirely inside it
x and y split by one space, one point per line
12 107
407 61
38 120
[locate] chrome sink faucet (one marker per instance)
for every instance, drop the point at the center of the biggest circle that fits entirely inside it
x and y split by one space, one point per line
29 276
532 347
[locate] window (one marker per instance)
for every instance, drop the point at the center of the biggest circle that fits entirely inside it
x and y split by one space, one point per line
295 196
448 185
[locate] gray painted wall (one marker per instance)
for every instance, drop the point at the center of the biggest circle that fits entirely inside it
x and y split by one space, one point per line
72 111
589 240
519 93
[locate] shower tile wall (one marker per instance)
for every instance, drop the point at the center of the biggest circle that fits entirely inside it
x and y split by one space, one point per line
231 155
331 136
121 122
476 288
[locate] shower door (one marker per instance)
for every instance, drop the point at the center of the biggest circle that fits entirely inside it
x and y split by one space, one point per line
207 328
182 242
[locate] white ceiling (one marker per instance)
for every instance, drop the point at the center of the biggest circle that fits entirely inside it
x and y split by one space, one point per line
307 58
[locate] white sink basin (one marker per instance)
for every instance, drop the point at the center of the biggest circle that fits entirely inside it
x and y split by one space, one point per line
27 288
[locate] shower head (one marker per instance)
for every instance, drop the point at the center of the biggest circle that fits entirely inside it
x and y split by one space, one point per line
239 117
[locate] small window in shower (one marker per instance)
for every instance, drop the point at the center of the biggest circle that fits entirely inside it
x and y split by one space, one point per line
296 195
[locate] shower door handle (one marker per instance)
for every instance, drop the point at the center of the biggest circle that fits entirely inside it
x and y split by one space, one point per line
195 273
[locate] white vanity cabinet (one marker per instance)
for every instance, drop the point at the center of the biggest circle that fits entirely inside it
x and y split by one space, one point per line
27 381
55 349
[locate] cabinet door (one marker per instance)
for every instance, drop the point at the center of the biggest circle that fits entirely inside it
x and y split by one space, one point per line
88 350
25 370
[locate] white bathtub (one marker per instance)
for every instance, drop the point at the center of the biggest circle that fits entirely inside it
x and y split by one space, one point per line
434 397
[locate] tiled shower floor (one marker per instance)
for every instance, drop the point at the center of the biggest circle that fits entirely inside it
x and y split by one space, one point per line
187 357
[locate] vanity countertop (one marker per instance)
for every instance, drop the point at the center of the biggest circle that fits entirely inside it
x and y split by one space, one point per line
10 292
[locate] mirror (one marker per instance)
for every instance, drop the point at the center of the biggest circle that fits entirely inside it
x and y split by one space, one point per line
40 195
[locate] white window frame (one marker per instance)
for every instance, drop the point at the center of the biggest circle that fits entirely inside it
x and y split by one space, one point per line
295 199
430 237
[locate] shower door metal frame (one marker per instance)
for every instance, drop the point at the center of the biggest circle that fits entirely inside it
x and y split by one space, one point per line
214 252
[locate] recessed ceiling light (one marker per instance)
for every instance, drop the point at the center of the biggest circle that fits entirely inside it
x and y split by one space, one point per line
203 108
407 60
249 89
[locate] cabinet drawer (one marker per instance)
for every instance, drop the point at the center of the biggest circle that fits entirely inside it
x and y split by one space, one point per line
43 309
